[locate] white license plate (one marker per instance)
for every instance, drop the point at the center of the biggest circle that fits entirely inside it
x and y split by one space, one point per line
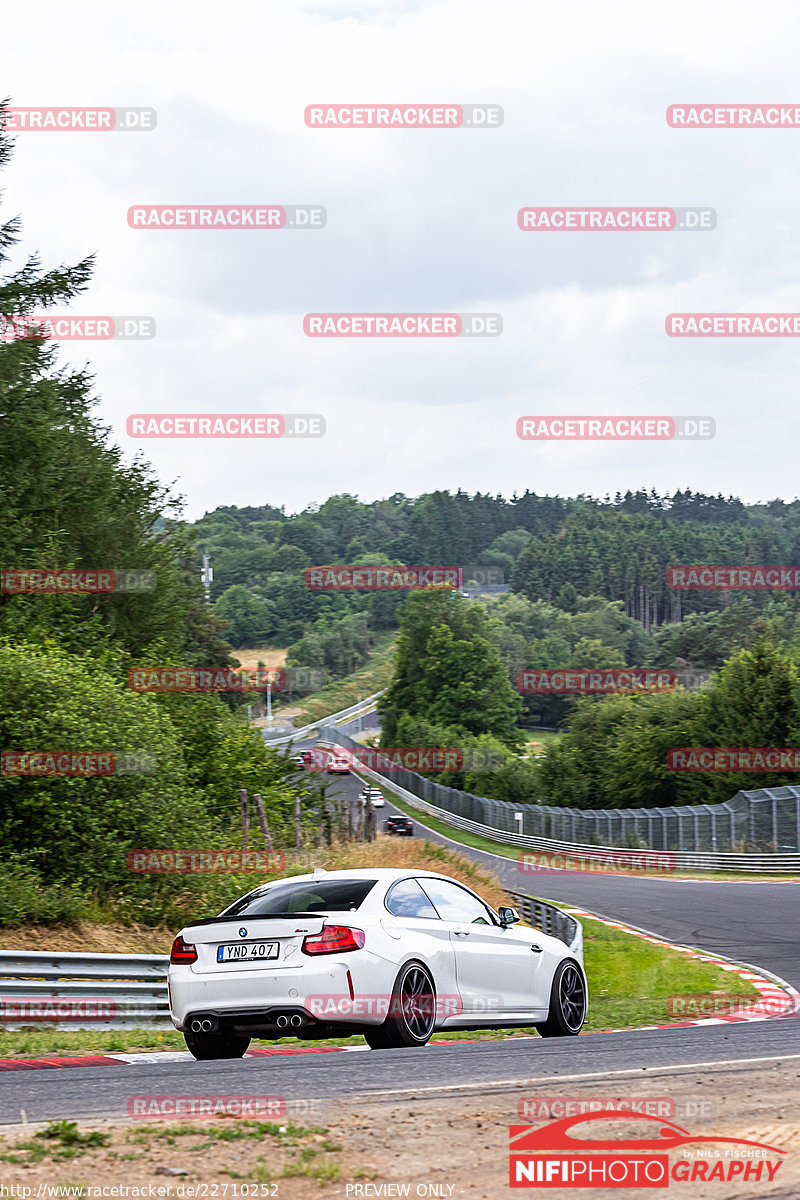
247 952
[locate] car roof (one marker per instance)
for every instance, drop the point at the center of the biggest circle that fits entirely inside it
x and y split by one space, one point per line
382 874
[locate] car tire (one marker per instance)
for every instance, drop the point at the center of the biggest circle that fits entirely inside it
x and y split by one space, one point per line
205 1046
412 1011
567 1011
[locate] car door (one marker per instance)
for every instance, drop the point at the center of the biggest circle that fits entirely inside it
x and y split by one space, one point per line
413 922
498 969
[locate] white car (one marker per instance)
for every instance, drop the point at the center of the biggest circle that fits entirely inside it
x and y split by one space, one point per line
338 766
375 795
393 954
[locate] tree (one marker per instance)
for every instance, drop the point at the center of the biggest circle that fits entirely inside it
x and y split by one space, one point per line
448 672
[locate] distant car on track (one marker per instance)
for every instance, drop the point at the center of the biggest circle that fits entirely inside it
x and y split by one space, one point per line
338 766
374 794
402 826
393 954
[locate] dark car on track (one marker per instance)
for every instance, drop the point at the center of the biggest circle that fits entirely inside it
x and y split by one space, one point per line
399 825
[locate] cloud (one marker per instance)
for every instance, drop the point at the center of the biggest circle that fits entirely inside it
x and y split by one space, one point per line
423 221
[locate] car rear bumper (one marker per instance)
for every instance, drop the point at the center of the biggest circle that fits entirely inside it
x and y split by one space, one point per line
255 997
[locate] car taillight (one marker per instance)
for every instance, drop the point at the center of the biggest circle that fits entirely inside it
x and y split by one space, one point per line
334 939
182 952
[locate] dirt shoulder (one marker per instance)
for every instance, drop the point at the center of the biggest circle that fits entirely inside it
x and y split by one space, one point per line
440 1142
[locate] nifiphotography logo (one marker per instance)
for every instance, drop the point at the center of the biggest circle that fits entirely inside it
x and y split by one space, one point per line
564 1154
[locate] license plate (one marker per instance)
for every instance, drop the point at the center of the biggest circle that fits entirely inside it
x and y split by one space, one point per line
247 952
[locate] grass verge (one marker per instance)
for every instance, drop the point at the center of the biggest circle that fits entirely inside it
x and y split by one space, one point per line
264 1151
375 675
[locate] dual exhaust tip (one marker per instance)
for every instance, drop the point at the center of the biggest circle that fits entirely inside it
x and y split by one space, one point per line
204 1025
295 1021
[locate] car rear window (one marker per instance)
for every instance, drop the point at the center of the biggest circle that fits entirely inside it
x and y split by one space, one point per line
307 895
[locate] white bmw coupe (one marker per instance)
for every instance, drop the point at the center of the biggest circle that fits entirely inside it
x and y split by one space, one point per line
391 954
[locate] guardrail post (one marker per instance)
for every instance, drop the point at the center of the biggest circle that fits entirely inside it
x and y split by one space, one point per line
262 820
298 828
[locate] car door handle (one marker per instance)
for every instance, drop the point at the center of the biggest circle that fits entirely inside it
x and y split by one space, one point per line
536 949
461 932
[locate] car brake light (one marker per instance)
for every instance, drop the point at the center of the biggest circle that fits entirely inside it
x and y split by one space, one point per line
334 939
182 952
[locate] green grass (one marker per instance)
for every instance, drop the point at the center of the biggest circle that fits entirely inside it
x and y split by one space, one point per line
311 1150
375 675
58 1140
534 739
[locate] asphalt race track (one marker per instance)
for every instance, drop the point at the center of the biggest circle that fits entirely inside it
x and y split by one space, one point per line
755 923
105 1090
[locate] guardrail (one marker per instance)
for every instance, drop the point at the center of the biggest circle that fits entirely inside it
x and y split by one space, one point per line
551 920
130 989
685 860
316 726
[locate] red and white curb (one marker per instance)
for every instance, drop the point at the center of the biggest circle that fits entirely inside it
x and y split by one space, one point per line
776 998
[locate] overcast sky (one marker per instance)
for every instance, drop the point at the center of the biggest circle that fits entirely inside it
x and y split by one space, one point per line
423 221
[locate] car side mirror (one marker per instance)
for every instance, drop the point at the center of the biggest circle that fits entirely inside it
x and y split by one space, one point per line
508 916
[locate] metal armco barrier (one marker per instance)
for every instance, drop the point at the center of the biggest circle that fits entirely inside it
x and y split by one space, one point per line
306 730
736 836
133 985
551 920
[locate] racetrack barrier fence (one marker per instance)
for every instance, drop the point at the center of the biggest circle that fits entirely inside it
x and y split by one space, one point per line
754 831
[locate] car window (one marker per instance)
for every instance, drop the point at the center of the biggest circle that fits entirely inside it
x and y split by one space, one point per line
407 899
341 895
454 903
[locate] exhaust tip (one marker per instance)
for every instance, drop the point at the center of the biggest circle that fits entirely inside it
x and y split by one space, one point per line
282 1021
205 1026
297 1020
196 1026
